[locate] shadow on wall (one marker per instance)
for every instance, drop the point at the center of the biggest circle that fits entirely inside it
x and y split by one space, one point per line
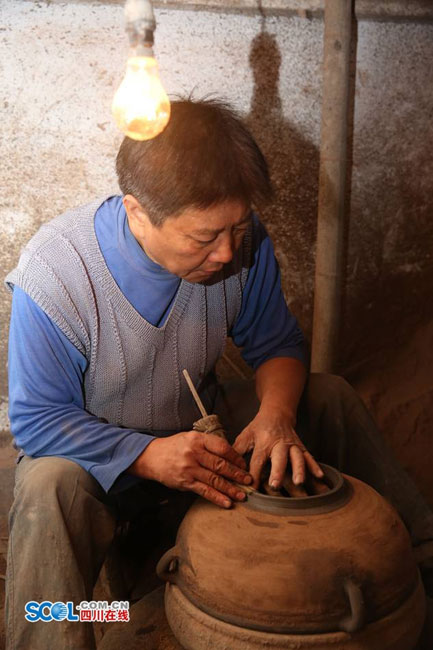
389 268
294 167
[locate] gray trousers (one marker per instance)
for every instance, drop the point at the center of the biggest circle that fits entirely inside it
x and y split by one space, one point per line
62 524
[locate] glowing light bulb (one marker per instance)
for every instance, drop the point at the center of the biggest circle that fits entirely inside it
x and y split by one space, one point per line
140 106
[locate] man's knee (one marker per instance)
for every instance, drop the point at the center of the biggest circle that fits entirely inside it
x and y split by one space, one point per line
332 392
52 482
330 385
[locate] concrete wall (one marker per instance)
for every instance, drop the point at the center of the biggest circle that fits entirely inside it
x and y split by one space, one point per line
60 65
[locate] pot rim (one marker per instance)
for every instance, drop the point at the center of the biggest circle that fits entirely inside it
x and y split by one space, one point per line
339 494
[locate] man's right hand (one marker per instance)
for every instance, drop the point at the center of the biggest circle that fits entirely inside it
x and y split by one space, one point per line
199 462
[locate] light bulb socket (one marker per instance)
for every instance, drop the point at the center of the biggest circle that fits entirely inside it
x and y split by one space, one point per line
140 23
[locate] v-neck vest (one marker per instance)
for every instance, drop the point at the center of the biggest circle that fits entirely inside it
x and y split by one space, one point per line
134 374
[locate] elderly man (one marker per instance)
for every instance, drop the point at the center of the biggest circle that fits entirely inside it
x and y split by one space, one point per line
111 301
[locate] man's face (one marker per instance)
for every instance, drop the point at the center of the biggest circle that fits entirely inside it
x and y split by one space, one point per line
197 243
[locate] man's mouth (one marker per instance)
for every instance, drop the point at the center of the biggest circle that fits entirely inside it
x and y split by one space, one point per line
210 271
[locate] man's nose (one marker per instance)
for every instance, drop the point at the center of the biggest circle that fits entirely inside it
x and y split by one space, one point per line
223 252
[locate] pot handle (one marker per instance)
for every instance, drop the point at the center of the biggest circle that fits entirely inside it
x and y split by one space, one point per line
356 620
168 564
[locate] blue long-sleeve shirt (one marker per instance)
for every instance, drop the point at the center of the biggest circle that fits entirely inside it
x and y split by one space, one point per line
46 372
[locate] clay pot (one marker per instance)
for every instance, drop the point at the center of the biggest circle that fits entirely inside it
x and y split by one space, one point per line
334 569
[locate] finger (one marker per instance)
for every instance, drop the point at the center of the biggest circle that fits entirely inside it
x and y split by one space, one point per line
271 491
222 448
298 464
242 444
219 484
293 490
258 459
210 494
219 465
278 465
313 466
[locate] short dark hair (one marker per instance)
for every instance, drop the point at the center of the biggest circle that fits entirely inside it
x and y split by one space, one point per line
205 156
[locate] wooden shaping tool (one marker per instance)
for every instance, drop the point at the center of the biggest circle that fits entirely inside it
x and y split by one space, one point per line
210 424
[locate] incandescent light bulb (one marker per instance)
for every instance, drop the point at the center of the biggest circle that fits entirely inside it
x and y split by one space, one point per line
140 106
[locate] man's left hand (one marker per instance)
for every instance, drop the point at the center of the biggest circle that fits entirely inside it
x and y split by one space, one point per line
274 437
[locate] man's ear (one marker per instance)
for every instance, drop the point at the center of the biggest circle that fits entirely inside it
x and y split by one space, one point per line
136 214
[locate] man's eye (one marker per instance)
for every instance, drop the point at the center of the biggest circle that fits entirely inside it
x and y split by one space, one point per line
205 241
